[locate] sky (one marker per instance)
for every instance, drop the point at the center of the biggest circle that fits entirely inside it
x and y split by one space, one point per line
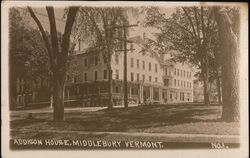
59 12
60 23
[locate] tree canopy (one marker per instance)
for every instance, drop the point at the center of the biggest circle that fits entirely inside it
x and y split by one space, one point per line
27 52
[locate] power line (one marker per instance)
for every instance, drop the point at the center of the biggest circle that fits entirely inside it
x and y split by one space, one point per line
41 14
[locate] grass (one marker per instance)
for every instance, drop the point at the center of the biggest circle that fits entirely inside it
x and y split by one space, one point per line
187 119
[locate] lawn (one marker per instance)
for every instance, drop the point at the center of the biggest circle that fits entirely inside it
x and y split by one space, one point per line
186 119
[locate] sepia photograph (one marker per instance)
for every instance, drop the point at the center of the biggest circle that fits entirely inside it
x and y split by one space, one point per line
124 76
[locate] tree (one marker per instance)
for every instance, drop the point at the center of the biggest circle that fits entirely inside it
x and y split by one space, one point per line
188 31
58 55
229 66
28 56
97 24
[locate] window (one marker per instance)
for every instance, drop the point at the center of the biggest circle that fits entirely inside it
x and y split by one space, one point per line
105 74
96 75
132 46
174 71
184 84
175 82
85 62
181 83
138 76
166 71
134 91
143 77
177 72
181 73
178 83
132 62
188 96
74 79
155 67
103 89
116 89
143 65
156 80
117 74
117 59
138 63
149 78
132 75
105 60
96 60
85 76
183 96
184 73
149 66
166 82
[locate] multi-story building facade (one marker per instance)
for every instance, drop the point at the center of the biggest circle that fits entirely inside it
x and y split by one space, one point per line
178 82
26 92
151 78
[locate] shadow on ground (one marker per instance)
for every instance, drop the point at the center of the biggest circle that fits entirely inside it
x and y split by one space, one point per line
122 120
144 117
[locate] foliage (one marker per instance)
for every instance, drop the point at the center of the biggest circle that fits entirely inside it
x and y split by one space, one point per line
94 25
188 31
28 56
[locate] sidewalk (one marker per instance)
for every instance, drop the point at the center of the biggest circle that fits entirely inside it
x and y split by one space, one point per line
66 109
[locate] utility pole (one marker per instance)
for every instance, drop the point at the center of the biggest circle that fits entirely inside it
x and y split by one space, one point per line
125 41
125 79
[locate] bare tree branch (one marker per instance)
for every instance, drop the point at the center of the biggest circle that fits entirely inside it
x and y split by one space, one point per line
45 37
53 32
203 24
197 22
67 31
190 20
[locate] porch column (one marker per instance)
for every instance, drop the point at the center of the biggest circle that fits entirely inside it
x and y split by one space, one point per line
160 95
129 92
151 93
142 94
168 96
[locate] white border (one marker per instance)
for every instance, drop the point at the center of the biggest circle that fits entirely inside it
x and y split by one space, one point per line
231 153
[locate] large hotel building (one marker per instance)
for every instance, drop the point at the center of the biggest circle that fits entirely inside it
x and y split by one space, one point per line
152 78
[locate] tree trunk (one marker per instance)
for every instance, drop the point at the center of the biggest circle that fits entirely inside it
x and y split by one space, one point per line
58 59
229 67
218 85
58 98
110 73
51 97
206 92
206 83
125 80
